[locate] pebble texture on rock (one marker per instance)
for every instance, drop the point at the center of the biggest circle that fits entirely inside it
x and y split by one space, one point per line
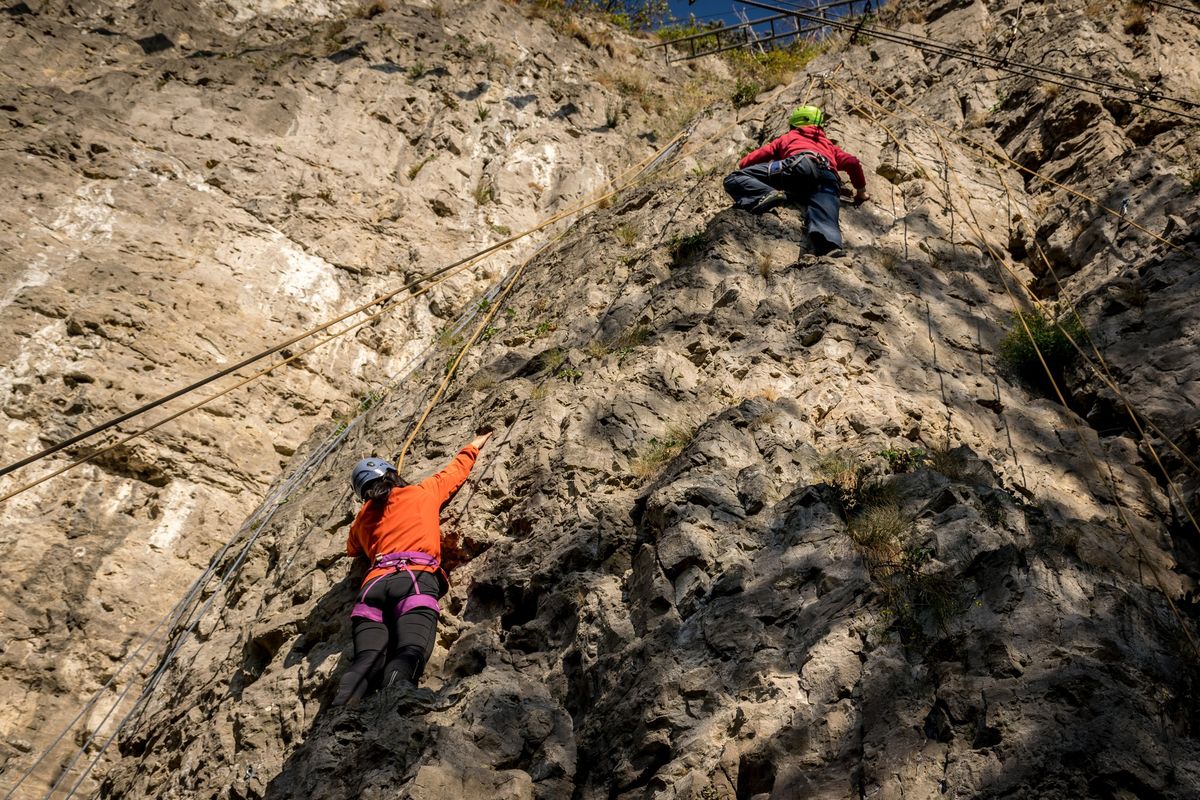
674 584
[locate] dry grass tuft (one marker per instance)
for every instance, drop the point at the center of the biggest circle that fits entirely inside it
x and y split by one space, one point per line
878 532
952 462
768 394
1135 19
596 349
660 452
626 233
764 265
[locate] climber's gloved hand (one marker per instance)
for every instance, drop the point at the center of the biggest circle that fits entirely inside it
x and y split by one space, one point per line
861 197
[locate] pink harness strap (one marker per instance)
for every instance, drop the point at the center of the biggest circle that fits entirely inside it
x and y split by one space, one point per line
364 611
397 562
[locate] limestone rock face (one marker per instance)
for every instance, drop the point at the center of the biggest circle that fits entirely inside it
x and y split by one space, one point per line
186 185
758 524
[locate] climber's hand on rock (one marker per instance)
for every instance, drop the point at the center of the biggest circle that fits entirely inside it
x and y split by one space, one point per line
479 440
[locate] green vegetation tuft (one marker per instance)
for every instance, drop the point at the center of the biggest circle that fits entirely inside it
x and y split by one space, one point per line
571 374
744 93
626 233
903 460
485 192
776 66
631 338
612 114
914 594
684 246
1020 347
416 168
631 15
1135 18
682 30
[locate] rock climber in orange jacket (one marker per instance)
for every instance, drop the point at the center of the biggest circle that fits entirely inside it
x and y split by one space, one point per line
398 530
801 165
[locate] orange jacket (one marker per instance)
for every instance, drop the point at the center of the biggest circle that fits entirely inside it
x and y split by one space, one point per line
408 519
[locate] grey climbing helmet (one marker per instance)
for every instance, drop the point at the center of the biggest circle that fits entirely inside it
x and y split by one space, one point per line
366 471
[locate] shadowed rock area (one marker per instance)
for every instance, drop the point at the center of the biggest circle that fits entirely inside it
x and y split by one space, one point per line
758 524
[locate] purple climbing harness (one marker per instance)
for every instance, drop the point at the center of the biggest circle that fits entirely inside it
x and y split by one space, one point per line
397 562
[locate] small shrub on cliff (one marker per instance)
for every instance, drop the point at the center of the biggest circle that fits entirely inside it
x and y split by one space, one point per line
683 246
776 66
571 374
612 114
1033 332
744 93
903 460
918 595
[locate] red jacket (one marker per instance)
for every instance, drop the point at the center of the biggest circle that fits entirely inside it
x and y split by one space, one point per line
810 137
408 519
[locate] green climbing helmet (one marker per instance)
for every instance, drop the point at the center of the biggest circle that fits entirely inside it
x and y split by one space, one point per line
806 115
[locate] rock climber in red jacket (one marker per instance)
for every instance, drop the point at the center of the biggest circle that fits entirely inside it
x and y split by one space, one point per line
801 165
398 530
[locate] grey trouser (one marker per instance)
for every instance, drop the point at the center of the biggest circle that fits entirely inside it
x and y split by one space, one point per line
805 181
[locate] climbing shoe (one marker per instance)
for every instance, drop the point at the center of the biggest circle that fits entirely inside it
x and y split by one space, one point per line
769 201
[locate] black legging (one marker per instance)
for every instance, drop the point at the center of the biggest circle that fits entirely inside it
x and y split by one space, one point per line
410 637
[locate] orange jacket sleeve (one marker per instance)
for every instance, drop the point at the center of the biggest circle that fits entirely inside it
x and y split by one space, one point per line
353 547
444 484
